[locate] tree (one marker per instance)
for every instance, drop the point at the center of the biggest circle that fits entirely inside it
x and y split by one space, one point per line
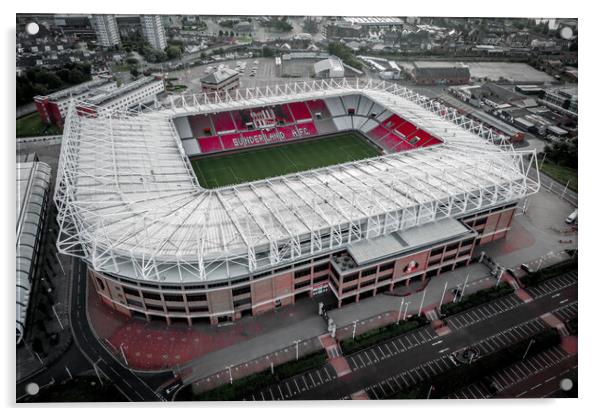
76 76
267 52
173 51
134 71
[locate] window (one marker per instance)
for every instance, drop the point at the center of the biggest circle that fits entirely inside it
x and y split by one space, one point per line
135 303
196 298
242 302
387 266
321 267
150 295
437 251
241 290
154 307
301 273
367 283
173 298
369 272
198 309
321 278
350 277
222 284
130 291
100 283
302 284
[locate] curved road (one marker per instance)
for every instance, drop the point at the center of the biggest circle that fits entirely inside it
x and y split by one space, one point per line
127 382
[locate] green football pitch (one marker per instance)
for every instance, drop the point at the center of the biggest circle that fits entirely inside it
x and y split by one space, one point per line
255 164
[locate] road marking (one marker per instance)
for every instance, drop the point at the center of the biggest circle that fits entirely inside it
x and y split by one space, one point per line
563 301
443 350
312 379
555 295
438 342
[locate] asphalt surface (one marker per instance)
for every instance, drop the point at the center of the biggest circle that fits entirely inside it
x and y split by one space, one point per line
457 339
128 383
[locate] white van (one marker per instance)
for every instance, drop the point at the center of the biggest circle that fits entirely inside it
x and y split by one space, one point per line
571 219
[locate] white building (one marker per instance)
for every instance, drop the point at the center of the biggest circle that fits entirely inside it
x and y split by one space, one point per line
107 32
142 91
153 31
329 68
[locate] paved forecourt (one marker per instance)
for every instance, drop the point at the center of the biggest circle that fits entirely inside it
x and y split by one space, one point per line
267 162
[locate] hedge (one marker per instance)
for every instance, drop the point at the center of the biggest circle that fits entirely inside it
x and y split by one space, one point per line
554 270
378 335
246 386
477 298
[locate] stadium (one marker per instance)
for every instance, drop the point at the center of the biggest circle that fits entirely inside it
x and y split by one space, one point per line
221 206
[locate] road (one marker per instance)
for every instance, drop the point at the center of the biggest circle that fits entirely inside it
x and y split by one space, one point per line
431 350
127 382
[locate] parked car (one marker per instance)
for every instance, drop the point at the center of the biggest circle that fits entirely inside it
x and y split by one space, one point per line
526 268
572 218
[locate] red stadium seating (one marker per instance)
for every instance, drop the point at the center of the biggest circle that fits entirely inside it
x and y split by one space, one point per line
223 122
406 129
283 114
200 125
293 121
392 122
377 132
318 106
210 144
299 111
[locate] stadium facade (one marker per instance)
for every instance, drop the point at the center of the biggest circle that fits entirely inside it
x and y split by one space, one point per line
158 245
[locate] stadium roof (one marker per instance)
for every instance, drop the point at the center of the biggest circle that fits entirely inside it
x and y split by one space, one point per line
129 202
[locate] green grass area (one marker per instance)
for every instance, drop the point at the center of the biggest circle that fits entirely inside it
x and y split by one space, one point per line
268 162
120 68
561 174
32 125
246 386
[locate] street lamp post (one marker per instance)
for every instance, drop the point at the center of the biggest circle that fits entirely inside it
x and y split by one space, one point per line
400 307
123 354
230 373
57 317
442 296
422 302
297 349
539 264
354 326
428 396
406 310
527 350
464 287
